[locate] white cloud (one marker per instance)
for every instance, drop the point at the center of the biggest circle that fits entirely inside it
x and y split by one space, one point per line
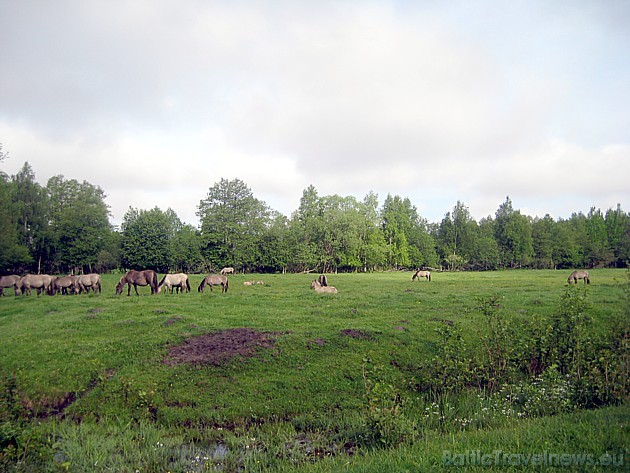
155 102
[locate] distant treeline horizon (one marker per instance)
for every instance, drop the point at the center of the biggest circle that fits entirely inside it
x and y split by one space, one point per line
65 226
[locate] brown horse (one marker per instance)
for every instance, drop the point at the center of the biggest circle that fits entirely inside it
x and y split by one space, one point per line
323 289
214 280
9 281
148 277
41 282
421 274
228 270
580 274
87 281
172 281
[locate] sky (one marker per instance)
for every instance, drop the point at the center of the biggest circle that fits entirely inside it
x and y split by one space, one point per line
155 101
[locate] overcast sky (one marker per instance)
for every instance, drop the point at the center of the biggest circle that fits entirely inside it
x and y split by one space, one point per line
439 101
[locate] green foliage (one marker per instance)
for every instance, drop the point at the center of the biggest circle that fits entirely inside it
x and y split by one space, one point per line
387 421
232 223
146 236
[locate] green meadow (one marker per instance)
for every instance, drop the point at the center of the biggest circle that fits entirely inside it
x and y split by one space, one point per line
291 380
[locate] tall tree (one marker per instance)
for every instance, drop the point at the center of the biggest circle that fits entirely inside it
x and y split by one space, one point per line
513 234
146 240
598 249
232 223
618 229
373 249
13 256
78 223
30 205
398 219
542 242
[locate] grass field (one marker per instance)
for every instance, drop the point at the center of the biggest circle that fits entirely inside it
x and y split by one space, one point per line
283 379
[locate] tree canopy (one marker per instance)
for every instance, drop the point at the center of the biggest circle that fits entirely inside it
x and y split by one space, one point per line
64 227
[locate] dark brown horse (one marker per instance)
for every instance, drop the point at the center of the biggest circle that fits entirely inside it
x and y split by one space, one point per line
148 277
214 280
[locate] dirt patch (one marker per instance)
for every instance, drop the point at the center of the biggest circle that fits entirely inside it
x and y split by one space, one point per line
173 320
220 347
356 334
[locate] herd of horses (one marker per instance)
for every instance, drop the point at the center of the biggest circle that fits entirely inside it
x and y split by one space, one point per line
178 282
44 283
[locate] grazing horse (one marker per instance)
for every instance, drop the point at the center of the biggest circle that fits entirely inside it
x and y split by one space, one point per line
421 274
214 280
65 285
581 274
228 270
171 281
87 281
9 281
41 282
148 277
323 289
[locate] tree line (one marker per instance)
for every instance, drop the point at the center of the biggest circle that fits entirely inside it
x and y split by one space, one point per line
64 227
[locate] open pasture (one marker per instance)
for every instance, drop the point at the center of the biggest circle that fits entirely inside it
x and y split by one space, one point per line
266 376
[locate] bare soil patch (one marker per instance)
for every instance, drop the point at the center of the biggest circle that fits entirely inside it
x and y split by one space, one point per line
219 348
361 335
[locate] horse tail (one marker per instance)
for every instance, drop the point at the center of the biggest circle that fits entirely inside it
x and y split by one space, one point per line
202 285
187 284
154 283
161 283
429 275
227 283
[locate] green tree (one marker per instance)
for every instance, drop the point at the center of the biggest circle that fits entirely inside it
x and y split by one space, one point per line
486 253
542 242
373 248
306 231
29 204
398 219
13 256
78 223
598 249
233 222
456 235
186 250
146 240
618 229
276 245
513 233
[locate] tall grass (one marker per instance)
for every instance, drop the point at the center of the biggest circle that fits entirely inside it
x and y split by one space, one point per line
86 387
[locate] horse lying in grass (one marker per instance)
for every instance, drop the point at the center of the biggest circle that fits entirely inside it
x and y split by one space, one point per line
580 274
148 277
421 274
178 281
214 280
323 289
